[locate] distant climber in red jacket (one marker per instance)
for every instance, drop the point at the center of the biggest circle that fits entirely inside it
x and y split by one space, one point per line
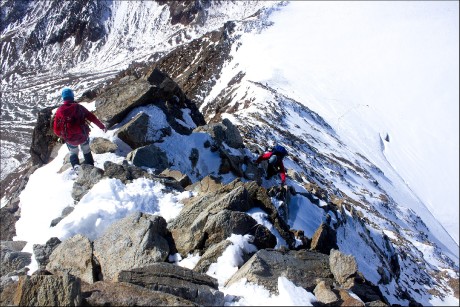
275 162
70 124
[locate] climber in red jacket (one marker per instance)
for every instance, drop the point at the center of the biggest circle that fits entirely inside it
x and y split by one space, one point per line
275 162
70 124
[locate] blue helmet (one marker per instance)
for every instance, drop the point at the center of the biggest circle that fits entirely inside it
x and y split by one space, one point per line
67 94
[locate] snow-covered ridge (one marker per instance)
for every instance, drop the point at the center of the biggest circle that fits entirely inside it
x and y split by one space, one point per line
45 47
378 208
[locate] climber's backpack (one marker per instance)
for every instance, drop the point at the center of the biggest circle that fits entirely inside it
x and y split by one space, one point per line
279 151
72 124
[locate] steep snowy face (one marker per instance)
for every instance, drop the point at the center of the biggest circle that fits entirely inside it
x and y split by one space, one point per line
46 45
383 219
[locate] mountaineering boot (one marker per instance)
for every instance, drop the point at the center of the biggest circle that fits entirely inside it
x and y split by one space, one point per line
89 158
74 160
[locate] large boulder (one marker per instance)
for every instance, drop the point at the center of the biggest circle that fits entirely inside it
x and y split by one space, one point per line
48 290
135 241
149 156
103 293
176 280
120 98
302 267
74 256
134 132
155 88
342 266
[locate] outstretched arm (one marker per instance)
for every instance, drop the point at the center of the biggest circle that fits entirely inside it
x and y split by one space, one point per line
264 156
92 118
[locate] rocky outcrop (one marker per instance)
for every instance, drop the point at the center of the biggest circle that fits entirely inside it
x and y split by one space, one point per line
212 217
155 88
135 241
43 137
211 255
48 290
185 283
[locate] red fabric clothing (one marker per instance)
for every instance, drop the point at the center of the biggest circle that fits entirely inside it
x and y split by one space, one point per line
72 109
279 164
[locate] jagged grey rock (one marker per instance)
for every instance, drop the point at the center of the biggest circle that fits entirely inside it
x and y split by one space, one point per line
342 266
301 267
42 252
179 281
87 178
118 100
43 137
100 145
149 156
103 293
137 240
74 256
134 132
232 134
48 290
12 258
